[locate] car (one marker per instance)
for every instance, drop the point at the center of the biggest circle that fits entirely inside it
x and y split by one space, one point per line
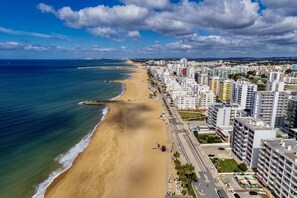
222 193
221 148
236 195
253 193
211 155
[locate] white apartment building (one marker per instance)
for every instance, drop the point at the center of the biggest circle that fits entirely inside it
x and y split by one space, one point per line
202 78
206 99
270 107
243 93
277 167
220 114
184 62
275 86
198 89
185 102
191 72
275 76
246 139
186 82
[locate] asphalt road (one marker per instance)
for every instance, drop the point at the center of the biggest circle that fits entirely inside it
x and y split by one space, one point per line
191 150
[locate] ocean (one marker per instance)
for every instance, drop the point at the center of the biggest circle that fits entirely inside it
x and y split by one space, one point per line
42 126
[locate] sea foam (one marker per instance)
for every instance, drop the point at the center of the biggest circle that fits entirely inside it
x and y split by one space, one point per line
67 159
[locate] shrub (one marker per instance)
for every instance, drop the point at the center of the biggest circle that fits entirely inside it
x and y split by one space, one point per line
242 167
184 191
194 177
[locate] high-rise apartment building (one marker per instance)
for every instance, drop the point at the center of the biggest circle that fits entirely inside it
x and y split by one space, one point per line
246 138
275 86
225 90
277 167
243 93
270 107
214 84
223 114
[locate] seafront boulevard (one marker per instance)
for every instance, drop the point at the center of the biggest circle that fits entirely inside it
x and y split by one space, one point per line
122 159
189 148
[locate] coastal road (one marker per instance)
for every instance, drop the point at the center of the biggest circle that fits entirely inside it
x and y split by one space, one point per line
193 153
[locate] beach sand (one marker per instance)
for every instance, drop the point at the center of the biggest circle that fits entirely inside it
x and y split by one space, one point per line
121 160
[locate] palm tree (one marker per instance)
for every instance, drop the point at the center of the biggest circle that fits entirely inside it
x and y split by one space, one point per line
176 155
189 170
184 181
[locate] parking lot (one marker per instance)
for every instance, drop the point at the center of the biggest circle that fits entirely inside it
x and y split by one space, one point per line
222 154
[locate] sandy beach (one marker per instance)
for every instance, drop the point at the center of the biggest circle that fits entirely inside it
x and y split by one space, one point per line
121 160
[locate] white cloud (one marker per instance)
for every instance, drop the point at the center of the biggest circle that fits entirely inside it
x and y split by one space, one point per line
133 34
283 7
12 45
104 31
35 34
161 4
230 24
46 8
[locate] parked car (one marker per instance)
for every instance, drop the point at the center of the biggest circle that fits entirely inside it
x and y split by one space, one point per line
253 193
211 155
222 193
236 195
221 148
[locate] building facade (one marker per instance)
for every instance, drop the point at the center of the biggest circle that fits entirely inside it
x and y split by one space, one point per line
225 90
270 107
243 93
214 84
220 115
206 99
246 139
291 118
277 167
185 102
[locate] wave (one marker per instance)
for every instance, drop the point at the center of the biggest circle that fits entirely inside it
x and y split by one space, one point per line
123 91
67 159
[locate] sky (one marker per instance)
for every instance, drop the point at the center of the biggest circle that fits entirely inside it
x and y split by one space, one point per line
64 29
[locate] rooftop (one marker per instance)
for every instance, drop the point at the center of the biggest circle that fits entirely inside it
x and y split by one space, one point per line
223 105
253 124
287 147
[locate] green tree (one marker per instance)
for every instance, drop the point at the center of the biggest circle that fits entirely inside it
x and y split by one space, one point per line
184 191
176 155
288 71
252 73
263 76
189 170
242 167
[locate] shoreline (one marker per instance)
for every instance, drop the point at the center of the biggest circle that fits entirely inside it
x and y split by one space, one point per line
53 190
59 173
55 175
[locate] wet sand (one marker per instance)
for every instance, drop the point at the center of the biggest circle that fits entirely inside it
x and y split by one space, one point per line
122 159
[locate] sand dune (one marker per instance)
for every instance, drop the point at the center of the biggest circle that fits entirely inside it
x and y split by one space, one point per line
121 160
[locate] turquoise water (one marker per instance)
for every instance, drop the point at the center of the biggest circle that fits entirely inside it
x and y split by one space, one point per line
42 127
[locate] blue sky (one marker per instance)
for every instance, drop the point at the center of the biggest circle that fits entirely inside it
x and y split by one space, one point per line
147 29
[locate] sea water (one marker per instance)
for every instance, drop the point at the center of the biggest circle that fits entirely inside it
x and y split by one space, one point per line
42 126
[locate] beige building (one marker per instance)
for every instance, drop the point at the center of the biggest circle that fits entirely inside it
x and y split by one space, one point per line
214 84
